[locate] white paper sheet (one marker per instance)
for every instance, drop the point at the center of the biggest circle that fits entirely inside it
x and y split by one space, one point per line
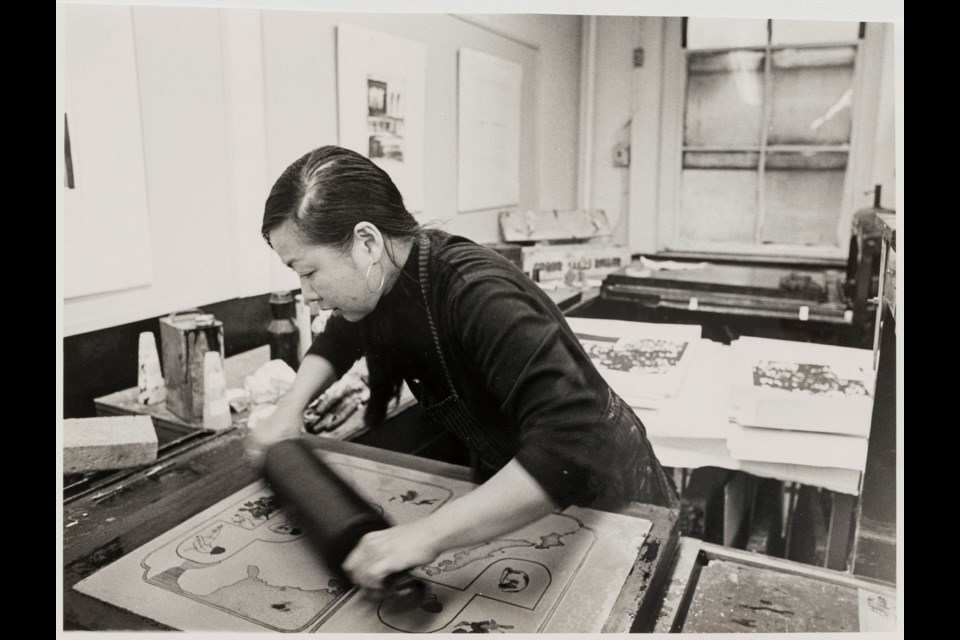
489 131
802 386
644 363
689 453
701 407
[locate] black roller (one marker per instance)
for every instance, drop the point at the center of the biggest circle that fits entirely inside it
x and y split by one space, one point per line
332 515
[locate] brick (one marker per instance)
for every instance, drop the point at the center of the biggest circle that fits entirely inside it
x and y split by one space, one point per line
116 442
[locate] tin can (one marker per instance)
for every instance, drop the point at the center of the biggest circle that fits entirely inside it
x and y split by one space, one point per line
186 337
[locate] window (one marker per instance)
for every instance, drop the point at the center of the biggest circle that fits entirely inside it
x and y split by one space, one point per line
760 119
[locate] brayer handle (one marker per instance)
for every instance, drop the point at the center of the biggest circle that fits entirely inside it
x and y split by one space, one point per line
404 590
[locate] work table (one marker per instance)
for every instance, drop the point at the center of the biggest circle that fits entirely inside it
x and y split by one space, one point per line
123 511
676 584
99 529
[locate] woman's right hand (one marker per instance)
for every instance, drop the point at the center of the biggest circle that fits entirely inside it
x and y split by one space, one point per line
314 375
284 423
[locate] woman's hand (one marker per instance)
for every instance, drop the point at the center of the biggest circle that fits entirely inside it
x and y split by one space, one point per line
284 423
509 500
381 553
314 375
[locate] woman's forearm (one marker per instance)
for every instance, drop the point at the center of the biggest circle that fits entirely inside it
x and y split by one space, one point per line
314 375
511 499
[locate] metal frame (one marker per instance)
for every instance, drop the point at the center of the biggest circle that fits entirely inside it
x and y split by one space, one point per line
695 554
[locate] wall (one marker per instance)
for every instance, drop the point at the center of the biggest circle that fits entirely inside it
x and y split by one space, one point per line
884 167
558 41
229 98
183 114
613 103
627 110
301 100
107 197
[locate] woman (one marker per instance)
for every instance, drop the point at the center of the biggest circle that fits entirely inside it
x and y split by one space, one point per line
485 351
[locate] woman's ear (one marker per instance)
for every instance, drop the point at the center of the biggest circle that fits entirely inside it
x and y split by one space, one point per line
368 240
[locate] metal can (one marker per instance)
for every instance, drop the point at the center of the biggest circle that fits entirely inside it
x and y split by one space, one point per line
186 336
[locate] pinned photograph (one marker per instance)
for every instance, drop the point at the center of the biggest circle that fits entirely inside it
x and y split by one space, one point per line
385 102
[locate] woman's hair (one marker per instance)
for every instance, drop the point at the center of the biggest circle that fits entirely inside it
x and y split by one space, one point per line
328 191
325 194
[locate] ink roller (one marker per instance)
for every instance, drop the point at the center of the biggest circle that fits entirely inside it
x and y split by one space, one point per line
332 515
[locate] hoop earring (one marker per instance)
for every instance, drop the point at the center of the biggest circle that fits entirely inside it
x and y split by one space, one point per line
366 278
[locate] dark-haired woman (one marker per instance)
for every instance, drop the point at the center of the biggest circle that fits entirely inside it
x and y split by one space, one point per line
484 350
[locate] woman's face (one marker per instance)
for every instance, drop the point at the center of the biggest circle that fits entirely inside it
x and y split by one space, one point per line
336 280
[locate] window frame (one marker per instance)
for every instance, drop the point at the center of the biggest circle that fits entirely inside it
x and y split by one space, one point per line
864 113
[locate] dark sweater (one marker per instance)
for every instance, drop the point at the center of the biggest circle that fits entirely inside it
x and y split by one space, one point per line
513 360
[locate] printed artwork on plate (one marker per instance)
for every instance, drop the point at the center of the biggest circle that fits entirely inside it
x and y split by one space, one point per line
245 564
634 355
820 379
248 559
385 105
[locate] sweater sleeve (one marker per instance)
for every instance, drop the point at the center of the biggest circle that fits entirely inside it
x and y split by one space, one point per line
536 370
339 343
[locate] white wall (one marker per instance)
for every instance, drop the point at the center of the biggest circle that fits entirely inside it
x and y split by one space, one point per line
108 197
884 167
229 98
241 37
627 109
301 100
182 111
613 108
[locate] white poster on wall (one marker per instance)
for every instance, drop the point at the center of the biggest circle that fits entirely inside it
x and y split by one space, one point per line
381 82
104 199
489 131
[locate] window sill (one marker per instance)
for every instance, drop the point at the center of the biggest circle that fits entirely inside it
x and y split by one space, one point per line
742 258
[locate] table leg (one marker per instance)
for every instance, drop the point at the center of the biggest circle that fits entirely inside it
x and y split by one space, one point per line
838 535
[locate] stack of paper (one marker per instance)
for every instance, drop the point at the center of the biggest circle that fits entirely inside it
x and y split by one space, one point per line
644 363
803 386
693 453
798 447
701 407
797 412
801 403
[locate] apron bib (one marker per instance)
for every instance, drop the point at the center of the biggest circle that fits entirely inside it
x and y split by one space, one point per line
490 449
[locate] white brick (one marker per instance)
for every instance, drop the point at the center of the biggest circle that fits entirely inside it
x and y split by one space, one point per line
120 442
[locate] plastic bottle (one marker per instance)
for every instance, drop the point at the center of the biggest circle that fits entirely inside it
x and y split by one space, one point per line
216 409
284 336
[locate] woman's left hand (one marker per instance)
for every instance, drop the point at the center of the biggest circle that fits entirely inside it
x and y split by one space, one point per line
509 500
381 553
